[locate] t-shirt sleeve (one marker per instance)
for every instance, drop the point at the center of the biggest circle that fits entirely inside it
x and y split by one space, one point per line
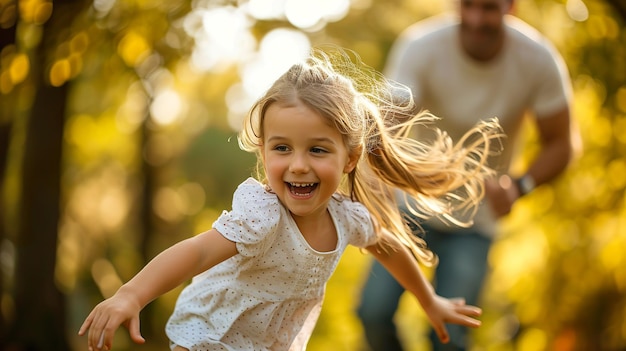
253 220
403 66
554 89
361 230
408 63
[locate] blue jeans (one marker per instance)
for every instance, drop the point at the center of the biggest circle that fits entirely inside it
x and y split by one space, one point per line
460 273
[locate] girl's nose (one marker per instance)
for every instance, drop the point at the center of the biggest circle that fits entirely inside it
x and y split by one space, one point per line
299 164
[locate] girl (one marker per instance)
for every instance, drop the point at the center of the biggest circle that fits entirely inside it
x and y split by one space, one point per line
332 143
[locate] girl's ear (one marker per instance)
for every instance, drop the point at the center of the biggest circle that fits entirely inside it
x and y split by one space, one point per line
353 159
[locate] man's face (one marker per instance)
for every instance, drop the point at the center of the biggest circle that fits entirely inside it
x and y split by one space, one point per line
482 25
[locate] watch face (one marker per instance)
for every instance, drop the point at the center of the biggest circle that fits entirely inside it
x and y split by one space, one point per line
527 184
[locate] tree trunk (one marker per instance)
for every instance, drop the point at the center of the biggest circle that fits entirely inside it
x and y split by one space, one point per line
620 7
147 227
40 313
7 38
39 306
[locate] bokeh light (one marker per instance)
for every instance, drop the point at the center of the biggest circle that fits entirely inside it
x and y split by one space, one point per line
221 35
279 49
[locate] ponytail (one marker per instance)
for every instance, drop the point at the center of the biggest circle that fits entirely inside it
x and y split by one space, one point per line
439 179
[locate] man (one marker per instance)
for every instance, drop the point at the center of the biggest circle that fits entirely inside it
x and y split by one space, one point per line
484 64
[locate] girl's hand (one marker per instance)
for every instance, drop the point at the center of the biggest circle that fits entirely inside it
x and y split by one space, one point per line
453 311
106 317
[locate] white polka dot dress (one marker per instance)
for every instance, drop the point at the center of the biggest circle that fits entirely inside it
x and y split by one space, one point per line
269 296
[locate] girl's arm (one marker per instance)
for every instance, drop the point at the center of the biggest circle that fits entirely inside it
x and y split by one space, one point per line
399 261
166 271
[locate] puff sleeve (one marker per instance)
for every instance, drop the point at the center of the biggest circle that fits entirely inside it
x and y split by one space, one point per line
253 221
361 229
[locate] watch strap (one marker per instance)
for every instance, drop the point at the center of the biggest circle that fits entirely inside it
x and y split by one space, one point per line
525 184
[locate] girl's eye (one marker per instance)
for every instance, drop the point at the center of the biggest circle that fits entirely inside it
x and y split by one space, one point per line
317 150
280 148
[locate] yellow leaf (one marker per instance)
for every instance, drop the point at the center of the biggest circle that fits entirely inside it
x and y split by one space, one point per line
133 48
19 68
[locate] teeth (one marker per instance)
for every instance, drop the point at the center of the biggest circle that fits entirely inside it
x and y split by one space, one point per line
298 185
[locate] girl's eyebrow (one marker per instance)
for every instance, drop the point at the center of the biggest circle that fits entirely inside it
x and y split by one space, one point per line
318 140
323 140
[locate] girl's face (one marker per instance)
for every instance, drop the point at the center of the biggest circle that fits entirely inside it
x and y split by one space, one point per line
304 158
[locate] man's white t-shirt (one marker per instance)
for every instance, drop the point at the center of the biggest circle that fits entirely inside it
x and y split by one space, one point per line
528 75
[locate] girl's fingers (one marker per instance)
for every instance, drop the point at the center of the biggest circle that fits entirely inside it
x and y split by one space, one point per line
458 301
86 324
462 308
464 316
101 341
97 333
134 330
470 310
468 322
442 333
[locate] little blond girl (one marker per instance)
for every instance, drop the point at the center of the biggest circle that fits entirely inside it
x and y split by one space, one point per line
332 142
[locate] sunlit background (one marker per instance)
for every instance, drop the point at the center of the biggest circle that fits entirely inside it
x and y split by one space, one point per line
152 94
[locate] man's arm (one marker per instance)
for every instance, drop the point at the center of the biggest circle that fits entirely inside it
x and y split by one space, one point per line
555 153
557 147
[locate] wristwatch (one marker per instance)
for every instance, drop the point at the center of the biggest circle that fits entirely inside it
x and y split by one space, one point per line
525 184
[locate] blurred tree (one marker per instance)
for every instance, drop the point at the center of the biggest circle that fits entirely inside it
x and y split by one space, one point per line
8 25
40 308
620 7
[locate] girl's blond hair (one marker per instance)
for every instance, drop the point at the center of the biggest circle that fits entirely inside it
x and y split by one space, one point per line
375 117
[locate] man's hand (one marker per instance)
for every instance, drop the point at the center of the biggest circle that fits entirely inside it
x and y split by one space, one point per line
501 194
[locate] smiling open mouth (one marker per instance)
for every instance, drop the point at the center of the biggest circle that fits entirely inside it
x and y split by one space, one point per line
301 189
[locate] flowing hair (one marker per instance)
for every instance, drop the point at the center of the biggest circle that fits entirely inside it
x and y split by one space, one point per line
375 116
